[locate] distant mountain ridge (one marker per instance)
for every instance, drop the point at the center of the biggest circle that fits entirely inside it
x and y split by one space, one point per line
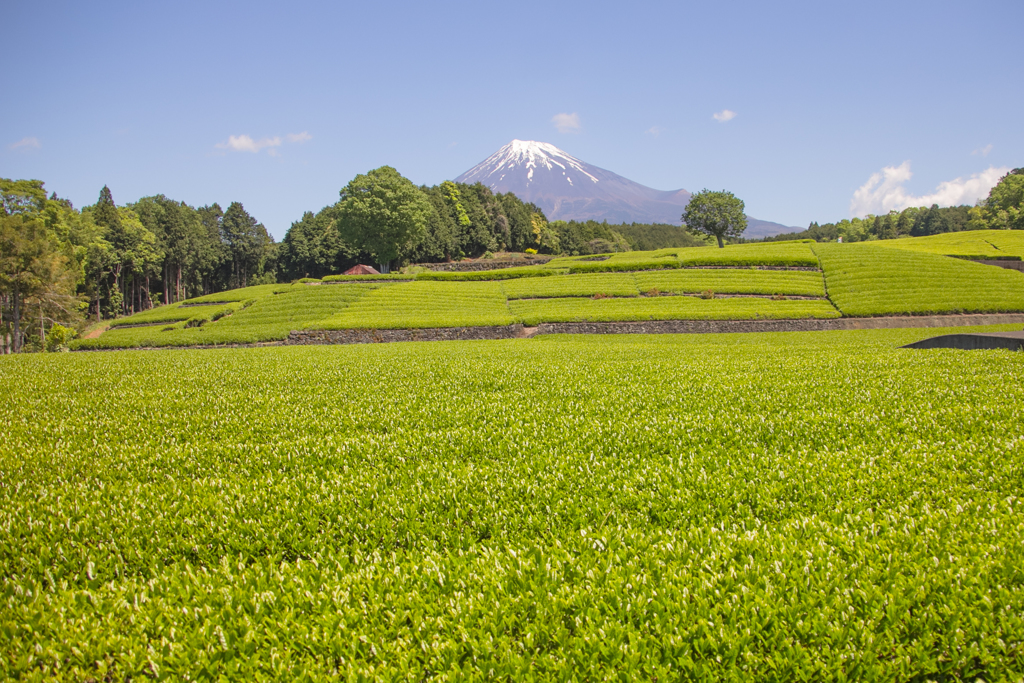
568 188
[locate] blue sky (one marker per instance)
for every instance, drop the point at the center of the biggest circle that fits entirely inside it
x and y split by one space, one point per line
838 107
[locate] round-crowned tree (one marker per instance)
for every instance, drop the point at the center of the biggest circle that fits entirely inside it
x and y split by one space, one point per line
381 213
715 214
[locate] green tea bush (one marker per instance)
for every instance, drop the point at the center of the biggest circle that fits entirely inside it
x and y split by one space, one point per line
768 254
865 279
975 244
612 284
801 506
423 304
729 281
267 318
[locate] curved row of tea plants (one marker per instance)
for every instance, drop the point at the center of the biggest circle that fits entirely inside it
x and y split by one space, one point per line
864 279
802 506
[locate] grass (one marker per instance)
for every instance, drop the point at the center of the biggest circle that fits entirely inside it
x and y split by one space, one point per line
800 506
865 279
534 311
979 244
424 304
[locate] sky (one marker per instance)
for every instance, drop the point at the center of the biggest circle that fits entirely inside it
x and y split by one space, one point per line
808 111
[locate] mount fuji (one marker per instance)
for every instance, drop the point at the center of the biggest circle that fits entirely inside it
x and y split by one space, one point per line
567 188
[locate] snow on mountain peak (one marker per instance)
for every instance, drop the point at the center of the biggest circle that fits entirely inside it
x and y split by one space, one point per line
526 154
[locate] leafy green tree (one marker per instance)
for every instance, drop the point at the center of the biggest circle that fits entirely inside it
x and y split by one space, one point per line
248 244
35 277
21 197
715 214
313 248
383 214
1005 204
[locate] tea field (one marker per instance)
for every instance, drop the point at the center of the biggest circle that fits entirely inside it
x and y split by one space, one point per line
792 506
851 280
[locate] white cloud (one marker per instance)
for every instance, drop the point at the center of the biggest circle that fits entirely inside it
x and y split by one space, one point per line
655 131
983 151
566 123
724 115
884 191
244 143
27 143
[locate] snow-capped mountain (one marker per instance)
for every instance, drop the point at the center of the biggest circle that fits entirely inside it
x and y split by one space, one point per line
567 188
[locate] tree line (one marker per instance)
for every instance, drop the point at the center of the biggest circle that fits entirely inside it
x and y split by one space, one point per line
61 266
1003 209
382 217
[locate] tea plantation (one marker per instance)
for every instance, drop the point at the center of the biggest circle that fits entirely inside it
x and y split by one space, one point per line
793 506
787 280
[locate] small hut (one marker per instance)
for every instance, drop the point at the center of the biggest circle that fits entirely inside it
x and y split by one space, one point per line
362 270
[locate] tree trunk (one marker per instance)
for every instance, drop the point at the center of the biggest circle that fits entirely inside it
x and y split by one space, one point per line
720 244
180 294
17 320
167 292
42 329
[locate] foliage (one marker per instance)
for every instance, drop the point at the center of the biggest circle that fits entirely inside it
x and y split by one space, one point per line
312 247
794 254
613 284
866 279
248 244
37 282
974 244
58 337
382 213
727 281
801 506
1004 207
266 314
715 214
424 304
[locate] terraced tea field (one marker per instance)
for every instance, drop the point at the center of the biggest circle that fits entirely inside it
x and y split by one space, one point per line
855 280
979 244
801 506
865 279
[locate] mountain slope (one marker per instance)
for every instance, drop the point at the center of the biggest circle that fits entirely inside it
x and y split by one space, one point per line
567 188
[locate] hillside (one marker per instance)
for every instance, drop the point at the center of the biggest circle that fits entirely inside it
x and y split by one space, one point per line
783 281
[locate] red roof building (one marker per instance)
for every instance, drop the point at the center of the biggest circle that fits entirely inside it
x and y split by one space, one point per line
361 270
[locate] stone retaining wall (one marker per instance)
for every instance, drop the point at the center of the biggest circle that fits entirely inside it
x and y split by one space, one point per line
1012 265
719 326
379 336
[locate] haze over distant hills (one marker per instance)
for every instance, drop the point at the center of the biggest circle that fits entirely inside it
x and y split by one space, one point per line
567 188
